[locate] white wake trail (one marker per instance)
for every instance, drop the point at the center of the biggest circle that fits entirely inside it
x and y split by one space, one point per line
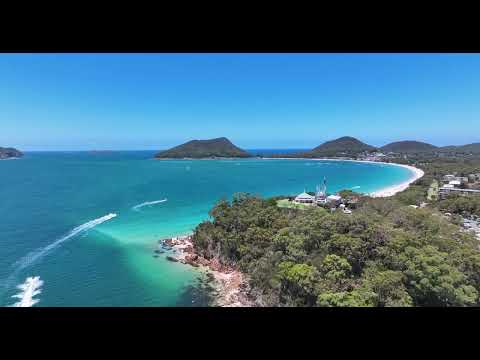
136 207
29 289
34 256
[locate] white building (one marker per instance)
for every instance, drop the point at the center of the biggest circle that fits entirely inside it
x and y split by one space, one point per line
449 177
455 182
450 189
334 198
305 198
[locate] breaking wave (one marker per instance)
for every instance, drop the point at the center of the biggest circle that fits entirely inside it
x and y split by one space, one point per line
139 206
29 289
36 255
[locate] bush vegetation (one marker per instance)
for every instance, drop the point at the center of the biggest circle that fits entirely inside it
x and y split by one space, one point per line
384 254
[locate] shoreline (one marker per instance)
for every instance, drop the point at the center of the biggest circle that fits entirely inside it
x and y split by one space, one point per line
385 192
231 285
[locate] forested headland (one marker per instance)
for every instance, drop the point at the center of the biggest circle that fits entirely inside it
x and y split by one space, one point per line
386 253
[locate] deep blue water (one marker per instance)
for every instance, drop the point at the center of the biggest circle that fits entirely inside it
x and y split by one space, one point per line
46 196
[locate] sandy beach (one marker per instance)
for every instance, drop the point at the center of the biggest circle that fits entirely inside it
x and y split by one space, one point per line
392 190
385 192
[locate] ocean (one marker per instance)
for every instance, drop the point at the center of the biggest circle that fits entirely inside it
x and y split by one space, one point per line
83 226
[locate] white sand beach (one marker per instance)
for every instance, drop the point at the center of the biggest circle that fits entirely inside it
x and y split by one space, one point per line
385 192
392 190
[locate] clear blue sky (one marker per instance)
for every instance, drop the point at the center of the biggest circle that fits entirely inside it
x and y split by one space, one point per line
154 101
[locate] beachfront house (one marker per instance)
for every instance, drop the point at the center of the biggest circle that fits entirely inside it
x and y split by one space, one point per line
305 198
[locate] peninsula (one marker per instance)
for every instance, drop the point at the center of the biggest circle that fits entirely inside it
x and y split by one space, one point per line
9 153
204 149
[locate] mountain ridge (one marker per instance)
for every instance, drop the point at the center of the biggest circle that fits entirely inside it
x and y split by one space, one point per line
408 146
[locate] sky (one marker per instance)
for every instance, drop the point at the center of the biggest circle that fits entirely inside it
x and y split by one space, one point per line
155 101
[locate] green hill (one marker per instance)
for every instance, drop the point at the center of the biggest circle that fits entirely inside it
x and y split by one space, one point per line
463 149
6 153
344 146
199 149
408 146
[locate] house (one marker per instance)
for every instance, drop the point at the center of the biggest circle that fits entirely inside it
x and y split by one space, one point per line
449 177
305 198
335 199
455 182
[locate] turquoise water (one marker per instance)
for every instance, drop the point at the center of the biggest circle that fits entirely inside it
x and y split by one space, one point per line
45 197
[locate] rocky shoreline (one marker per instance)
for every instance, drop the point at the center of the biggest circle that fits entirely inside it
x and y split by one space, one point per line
231 285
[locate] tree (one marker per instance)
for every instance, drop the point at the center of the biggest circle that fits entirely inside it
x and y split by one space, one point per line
388 287
432 281
299 281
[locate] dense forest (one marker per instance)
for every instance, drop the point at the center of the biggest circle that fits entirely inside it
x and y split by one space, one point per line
384 254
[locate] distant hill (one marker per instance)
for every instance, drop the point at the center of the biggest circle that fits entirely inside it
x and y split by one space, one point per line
6 153
408 146
199 149
345 146
468 149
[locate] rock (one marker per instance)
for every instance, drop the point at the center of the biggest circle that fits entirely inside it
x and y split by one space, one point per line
159 251
170 258
191 257
168 242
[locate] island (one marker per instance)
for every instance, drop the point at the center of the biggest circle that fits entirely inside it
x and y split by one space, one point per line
204 149
9 153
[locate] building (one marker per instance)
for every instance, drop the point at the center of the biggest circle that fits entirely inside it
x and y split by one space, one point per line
449 177
335 199
446 189
305 198
455 182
